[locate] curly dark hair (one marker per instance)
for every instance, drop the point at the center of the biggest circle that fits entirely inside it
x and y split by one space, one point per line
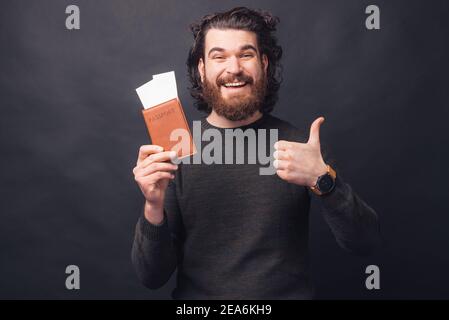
263 24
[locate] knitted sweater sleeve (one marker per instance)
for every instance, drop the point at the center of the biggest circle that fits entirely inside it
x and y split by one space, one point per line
156 249
354 223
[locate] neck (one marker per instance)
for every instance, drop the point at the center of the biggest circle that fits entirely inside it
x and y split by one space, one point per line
222 122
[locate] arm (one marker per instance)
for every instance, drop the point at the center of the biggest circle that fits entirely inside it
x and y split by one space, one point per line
153 254
354 224
155 251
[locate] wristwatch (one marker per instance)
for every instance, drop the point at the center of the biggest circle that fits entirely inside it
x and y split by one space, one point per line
325 183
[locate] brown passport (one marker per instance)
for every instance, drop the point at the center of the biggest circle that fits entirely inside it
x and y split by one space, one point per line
162 120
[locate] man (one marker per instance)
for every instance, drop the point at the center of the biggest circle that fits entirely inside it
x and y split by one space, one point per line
231 232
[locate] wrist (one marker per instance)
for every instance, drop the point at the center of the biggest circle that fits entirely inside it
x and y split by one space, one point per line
326 182
321 171
153 213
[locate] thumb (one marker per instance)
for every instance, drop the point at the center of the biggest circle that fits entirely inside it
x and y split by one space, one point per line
314 137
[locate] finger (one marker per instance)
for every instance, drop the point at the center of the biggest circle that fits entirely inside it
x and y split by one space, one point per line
314 137
282 145
281 155
155 167
282 174
281 164
146 150
156 177
158 157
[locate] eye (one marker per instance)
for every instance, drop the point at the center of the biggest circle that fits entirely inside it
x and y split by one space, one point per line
218 57
247 55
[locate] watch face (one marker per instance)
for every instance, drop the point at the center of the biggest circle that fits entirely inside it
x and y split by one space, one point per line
326 183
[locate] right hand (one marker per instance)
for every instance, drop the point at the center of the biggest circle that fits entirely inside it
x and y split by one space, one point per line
152 173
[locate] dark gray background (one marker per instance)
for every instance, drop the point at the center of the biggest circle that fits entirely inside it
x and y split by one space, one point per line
71 126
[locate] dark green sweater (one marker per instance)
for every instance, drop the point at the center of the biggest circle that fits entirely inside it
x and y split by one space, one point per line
235 234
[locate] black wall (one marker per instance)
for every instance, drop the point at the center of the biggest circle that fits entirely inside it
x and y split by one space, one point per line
70 128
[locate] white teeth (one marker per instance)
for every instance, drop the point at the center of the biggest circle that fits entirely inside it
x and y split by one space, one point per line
234 84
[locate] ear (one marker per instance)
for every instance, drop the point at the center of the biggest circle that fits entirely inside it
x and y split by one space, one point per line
265 62
201 69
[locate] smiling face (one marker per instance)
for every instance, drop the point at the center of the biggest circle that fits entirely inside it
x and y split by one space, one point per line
233 73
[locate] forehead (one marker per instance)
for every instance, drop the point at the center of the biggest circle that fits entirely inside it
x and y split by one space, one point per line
229 39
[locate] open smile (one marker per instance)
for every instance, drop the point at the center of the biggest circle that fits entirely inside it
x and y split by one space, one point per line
235 85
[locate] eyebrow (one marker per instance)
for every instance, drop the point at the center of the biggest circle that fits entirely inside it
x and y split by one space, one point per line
248 47
242 48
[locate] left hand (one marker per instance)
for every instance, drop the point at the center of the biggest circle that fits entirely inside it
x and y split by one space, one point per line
301 163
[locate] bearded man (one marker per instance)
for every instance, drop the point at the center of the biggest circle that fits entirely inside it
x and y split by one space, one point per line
230 232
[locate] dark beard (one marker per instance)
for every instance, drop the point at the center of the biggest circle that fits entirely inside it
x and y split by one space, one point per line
236 108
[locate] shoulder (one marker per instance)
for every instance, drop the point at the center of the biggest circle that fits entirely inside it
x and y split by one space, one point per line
286 130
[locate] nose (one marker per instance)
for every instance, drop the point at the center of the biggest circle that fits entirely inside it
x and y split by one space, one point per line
233 66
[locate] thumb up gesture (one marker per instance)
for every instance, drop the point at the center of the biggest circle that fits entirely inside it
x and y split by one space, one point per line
301 163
